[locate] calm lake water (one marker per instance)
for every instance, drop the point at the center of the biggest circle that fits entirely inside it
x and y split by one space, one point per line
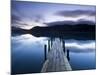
28 53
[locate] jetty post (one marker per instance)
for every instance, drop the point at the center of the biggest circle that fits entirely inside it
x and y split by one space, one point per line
48 45
68 55
63 45
45 51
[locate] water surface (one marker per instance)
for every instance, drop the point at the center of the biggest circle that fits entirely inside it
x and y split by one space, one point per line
28 53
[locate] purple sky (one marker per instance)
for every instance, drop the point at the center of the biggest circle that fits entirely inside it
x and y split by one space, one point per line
29 14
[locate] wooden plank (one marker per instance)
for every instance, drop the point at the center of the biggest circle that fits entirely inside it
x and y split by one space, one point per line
56 59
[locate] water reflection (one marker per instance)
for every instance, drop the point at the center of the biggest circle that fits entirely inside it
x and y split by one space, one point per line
28 53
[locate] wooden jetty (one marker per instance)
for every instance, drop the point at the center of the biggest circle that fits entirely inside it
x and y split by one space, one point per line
56 59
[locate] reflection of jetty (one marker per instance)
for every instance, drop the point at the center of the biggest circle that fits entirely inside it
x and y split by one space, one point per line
56 59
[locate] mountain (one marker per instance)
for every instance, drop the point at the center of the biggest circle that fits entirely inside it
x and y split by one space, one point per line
65 28
71 22
81 30
18 31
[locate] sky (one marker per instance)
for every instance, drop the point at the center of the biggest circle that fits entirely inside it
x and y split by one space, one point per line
30 14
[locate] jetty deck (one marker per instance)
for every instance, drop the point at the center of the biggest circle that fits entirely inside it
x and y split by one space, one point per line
56 58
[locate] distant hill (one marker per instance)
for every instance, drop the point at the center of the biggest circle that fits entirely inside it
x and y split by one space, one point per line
63 30
66 31
18 31
80 22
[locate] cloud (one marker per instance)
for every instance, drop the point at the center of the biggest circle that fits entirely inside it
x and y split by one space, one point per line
71 22
17 21
80 46
25 22
15 18
76 13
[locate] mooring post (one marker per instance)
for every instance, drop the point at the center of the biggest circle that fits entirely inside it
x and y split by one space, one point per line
63 45
51 41
45 51
68 55
48 45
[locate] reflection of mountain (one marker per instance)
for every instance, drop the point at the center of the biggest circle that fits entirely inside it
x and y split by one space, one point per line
61 29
